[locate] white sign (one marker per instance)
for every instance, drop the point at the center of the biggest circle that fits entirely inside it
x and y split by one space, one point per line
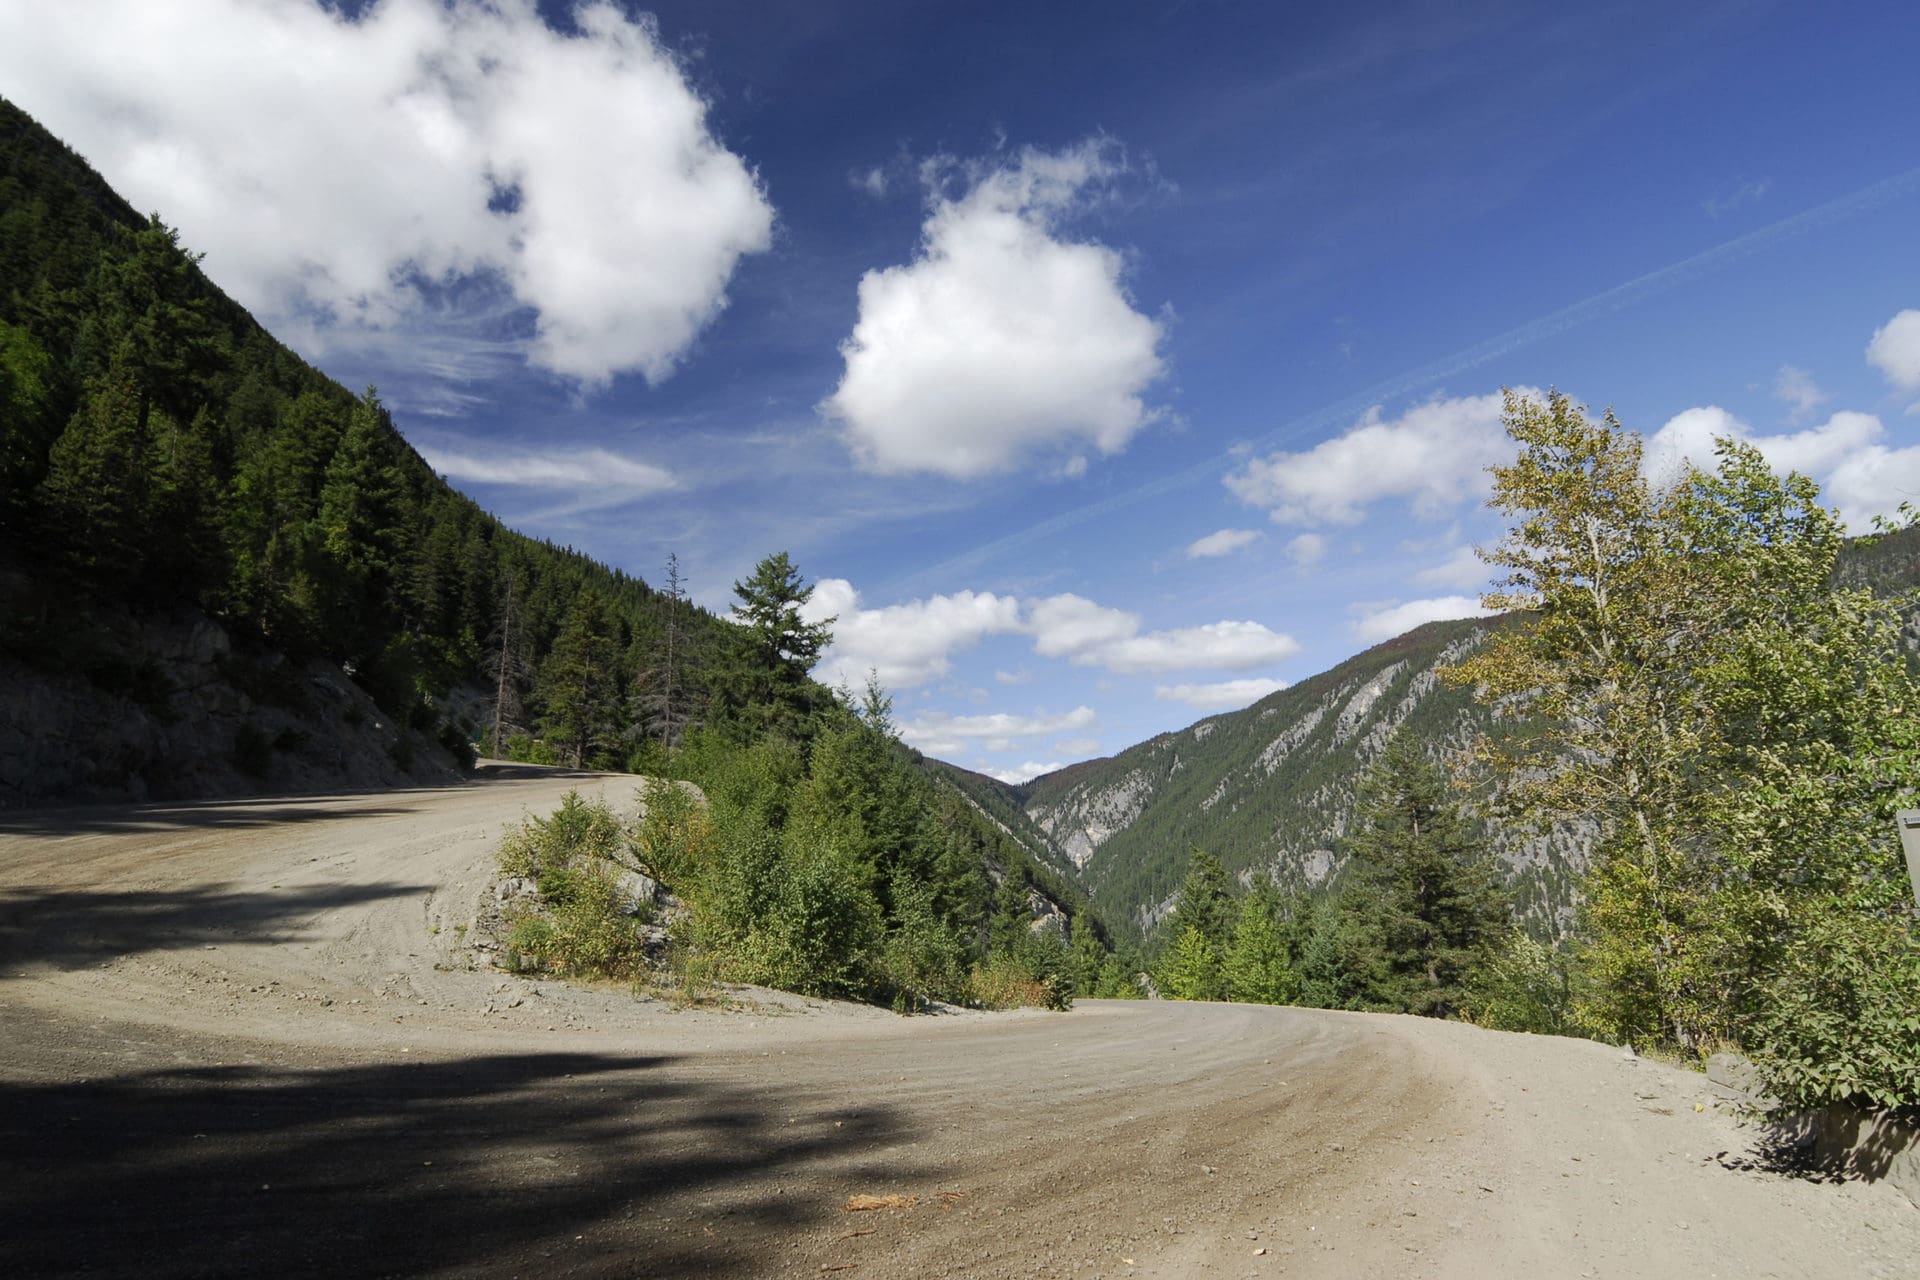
1908 820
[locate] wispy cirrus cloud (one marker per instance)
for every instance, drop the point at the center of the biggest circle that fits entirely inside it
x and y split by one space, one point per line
581 479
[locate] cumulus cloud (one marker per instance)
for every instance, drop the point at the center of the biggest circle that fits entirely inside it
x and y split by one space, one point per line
1307 549
337 172
1002 339
940 734
1895 350
1464 568
1092 635
908 644
1224 695
1223 543
1795 387
1858 474
1688 437
1387 621
1874 482
1432 457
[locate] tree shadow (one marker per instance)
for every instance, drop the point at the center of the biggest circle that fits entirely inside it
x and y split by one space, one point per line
212 815
68 928
581 1164
1830 1144
265 810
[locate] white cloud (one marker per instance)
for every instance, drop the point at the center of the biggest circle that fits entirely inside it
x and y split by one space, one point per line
571 469
1386 622
1223 543
1464 568
1795 387
329 168
1077 746
1069 626
940 734
1092 635
1432 457
1001 340
1307 549
1222 696
1895 350
1688 437
907 644
1020 774
1874 482
1013 677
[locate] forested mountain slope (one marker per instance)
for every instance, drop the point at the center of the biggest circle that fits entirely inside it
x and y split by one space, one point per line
1272 787
193 517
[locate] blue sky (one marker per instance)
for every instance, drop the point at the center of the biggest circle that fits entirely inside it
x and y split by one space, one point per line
1106 364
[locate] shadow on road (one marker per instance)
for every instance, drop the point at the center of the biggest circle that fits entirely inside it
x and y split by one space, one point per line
72 927
261 811
532 1164
219 815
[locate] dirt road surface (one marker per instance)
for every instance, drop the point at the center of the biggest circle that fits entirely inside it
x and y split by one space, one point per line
244 1039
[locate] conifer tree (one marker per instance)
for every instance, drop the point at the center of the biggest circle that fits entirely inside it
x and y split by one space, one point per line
1256 967
764 685
1191 970
578 679
1432 902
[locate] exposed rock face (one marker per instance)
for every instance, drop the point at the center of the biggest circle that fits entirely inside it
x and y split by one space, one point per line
1272 788
176 710
1083 820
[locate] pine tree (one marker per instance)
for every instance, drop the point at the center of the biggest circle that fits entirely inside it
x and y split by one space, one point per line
1191 969
577 682
508 668
764 685
1434 904
1257 968
95 487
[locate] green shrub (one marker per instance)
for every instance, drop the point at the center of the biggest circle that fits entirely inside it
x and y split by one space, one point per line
583 925
674 833
921 960
1003 982
820 934
525 749
1841 1020
1523 985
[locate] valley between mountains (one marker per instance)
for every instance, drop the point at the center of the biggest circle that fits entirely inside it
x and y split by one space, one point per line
249 1038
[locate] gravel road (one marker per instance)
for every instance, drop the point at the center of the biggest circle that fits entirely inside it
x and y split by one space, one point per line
244 1039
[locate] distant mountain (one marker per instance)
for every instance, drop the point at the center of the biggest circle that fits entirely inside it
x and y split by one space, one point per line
1272 787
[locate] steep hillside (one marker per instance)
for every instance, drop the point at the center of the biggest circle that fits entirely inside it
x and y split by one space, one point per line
1272 787
168 470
